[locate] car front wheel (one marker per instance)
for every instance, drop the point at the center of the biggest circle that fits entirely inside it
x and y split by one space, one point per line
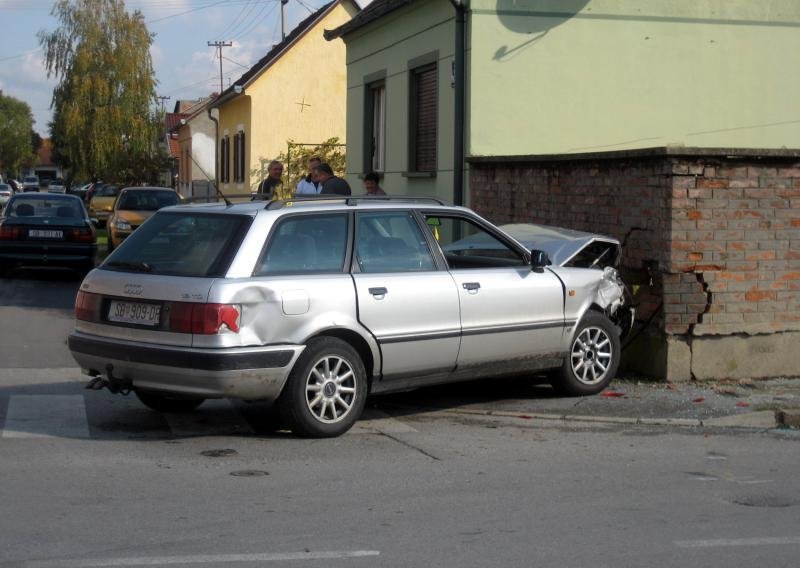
593 357
326 390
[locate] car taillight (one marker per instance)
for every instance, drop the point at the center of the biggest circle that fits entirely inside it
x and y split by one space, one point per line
204 319
87 306
83 235
9 233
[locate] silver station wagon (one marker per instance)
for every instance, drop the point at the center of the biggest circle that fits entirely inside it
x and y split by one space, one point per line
316 303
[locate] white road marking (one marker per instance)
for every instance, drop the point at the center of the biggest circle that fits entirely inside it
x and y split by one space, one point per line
46 416
213 418
200 559
762 541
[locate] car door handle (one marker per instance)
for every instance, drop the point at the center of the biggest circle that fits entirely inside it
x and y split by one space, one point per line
378 291
471 286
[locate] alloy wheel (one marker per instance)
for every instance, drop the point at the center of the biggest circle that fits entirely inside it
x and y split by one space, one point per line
331 389
591 355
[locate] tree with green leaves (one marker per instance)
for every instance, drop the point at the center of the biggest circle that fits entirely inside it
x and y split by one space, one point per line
16 135
104 120
295 160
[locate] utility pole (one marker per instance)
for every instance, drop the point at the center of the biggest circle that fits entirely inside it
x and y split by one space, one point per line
163 98
219 45
283 19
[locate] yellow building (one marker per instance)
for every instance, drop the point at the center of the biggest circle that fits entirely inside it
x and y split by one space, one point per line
297 92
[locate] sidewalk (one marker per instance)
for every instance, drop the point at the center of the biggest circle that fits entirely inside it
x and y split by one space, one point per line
759 404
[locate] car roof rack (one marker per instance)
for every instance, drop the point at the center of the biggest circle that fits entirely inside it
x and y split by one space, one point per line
352 200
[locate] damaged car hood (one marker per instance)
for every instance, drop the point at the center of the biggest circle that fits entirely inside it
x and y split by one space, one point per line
564 245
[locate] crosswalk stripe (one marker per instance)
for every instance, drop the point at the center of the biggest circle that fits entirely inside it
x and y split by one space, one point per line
46 416
213 418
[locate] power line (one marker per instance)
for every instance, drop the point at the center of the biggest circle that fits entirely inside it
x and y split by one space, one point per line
257 19
231 27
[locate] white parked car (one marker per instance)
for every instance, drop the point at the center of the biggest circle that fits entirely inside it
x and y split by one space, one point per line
30 183
57 186
314 303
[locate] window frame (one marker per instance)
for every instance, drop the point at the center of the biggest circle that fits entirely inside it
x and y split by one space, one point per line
373 82
439 264
225 143
417 66
348 253
477 221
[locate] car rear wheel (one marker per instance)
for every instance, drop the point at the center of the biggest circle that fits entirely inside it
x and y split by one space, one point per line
592 360
326 390
166 403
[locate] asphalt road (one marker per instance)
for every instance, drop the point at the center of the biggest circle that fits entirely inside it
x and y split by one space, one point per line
92 479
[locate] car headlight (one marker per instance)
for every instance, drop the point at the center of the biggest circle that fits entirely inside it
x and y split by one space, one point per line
122 226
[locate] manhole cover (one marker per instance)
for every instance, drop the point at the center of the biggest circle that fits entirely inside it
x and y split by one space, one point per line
219 453
764 500
250 473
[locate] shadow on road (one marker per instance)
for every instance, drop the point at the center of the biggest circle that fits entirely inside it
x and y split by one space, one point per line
123 418
44 288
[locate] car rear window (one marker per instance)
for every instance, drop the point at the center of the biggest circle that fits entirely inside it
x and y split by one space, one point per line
107 191
181 244
146 200
64 207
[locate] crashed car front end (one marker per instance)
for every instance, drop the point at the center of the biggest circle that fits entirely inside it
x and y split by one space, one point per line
587 264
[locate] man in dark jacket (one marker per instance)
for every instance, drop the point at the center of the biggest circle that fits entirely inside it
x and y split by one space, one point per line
331 184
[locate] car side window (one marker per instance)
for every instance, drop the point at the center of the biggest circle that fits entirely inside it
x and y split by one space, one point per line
391 242
306 244
466 244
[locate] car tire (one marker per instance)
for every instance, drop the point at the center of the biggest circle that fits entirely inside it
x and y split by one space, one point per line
326 390
592 360
165 403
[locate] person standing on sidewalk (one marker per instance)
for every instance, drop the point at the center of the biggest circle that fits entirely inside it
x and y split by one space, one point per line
271 187
371 184
308 185
331 184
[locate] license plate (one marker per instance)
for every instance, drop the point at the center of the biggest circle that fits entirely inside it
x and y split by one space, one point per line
134 312
46 234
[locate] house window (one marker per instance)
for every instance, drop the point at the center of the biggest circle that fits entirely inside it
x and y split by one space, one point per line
225 159
376 133
238 157
424 116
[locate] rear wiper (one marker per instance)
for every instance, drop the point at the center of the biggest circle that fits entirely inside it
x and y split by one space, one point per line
137 266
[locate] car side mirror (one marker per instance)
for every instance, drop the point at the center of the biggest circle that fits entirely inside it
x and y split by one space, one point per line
539 260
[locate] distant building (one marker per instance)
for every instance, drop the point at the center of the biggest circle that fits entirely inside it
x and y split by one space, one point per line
296 92
196 146
45 168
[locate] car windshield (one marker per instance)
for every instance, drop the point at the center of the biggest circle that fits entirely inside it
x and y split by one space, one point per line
65 208
107 191
181 244
146 200
5 187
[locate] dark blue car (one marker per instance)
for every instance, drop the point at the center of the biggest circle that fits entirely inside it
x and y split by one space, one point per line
46 230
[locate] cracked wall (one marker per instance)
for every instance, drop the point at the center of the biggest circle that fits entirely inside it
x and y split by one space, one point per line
712 251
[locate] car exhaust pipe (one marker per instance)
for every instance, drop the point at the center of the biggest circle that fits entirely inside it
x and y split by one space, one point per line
115 385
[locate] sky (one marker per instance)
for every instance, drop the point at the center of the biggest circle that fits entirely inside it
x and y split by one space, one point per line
186 67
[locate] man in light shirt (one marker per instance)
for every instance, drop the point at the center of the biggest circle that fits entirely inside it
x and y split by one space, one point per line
308 185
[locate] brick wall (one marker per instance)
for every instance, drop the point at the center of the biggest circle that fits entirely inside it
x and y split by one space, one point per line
713 240
736 229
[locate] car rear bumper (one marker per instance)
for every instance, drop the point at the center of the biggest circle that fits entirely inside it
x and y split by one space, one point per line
29 253
250 373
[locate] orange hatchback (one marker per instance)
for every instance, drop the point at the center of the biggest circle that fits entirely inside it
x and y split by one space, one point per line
133 206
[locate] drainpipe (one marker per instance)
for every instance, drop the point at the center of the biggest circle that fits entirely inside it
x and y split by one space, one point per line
460 87
216 148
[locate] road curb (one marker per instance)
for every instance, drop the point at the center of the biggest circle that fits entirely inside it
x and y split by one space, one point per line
749 420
